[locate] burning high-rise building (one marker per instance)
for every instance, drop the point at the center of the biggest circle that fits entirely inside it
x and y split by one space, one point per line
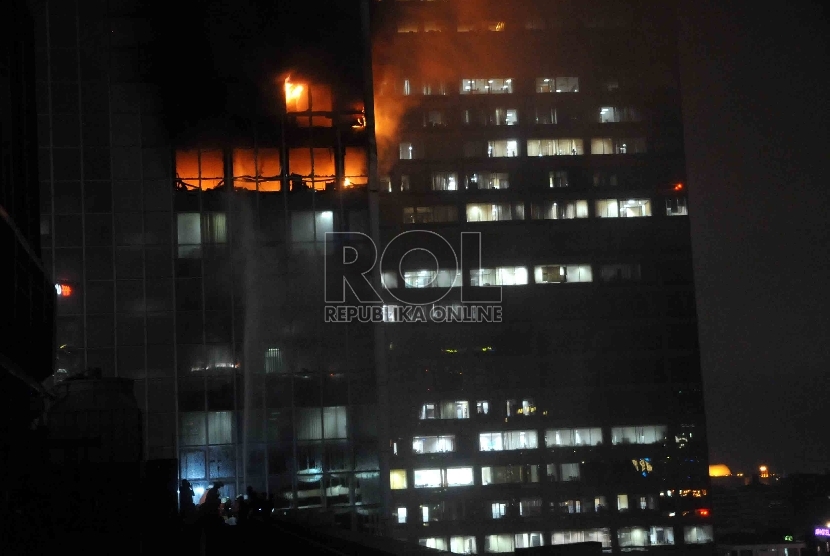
539 387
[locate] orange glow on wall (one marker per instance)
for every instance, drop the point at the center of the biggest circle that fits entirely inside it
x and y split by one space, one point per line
300 162
203 169
678 187
356 165
257 169
702 512
321 98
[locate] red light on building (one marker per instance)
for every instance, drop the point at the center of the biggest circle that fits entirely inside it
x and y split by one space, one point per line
678 187
702 512
63 290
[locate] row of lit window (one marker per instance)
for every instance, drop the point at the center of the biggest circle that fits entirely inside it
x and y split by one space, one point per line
549 210
627 537
513 276
455 510
448 181
509 148
528 439
449 477
501 85
543 115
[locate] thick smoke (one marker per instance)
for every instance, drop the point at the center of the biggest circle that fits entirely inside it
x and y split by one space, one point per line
443 56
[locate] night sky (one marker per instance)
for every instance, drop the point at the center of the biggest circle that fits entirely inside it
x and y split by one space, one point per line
755 95
756 124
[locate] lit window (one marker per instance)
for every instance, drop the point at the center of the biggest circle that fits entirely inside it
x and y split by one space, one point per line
501 116
195 230
557 84
494 212
697 534
650 434
588 535
661 535
559 210
527 540
397 479
499 543
608 145
561 274
189 235
567 85
463 545
452 477
498 509
486 86
432 278
427 478
623 208
676 207
433 444
449 409
460 476
401 514
409 151
487 180
622 502
554 147
503 148
558 178
573 437
569 472
510 440
500 276
436 543
632 536
444 181
505 474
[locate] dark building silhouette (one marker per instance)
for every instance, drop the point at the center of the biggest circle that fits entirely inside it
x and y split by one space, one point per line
26 295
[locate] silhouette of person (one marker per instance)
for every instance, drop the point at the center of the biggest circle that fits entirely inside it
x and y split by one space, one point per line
186 494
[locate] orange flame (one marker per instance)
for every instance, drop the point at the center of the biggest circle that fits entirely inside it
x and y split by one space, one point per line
292 91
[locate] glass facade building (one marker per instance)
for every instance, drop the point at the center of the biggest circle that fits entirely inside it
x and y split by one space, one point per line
552 131
568 409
